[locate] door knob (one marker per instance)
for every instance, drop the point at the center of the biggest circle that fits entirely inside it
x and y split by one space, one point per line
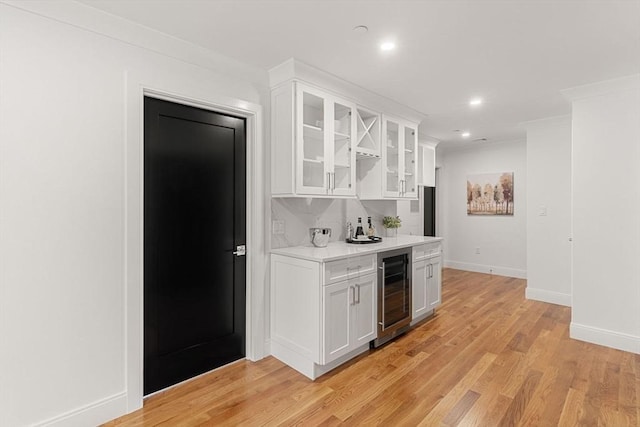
241 250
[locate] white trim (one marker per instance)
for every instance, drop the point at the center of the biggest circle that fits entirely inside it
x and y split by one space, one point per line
602 88
546 122
97 21
618 340
295 70
548 296
488 269
136 87
94 413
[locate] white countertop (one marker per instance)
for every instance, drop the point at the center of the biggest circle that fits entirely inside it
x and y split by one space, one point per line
337 250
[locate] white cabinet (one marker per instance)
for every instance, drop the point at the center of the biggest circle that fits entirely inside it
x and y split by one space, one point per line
348 316
434 283
427 165
419 298
426 280
312 143
367 133
322 313
400 150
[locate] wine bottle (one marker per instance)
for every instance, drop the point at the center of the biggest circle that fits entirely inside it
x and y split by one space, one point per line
359 230
370 231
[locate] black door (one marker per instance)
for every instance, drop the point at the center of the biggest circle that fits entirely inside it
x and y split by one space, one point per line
429 211
194 217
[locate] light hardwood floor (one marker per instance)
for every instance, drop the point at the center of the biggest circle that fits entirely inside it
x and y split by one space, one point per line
488 358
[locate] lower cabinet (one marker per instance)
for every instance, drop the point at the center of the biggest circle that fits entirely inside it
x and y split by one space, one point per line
322 313
349 316
426 293
434 283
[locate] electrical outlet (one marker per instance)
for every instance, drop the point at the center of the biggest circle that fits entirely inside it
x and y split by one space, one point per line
277 227
477 251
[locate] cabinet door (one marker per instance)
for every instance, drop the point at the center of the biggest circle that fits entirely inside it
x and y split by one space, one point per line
391 157
409 179
365 310
434 283
419 298
338 301
342 164
426 165
312 172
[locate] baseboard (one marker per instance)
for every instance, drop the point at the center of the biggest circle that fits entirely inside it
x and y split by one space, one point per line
548 296
617 340
93 414
488 269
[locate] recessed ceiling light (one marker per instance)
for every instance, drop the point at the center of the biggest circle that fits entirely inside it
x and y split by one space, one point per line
475 102
386 46
466 134
360 29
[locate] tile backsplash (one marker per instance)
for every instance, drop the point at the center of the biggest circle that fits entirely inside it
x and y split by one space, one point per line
300 214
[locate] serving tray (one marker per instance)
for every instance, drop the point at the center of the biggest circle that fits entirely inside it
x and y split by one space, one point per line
374 239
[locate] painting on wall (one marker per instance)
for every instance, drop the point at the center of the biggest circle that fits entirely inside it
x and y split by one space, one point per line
490 194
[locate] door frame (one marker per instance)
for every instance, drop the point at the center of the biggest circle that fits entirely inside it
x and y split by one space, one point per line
182 91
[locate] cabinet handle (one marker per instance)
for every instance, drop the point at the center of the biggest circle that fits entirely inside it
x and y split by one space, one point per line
381 292
353 295
333 179
358 299
328 182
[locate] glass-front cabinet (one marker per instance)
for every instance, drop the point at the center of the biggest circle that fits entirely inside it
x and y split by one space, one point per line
325 157
400 143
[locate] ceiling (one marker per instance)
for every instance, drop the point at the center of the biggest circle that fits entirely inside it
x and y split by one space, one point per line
517 55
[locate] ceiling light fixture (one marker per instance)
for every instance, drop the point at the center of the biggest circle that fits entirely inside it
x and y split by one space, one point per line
475 102
387 46
466 134
360 29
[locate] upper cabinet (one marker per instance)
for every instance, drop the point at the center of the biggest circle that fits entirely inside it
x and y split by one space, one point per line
312 143
368 133
400 171
427 164
331 138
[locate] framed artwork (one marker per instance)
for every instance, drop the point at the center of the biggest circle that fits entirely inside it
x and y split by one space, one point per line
490 194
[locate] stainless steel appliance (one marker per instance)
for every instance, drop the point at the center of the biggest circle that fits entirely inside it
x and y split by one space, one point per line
320 236
394 294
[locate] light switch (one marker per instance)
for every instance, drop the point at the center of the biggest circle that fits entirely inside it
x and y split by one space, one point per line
542 211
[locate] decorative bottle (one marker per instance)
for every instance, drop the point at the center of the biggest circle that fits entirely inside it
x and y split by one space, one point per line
370 231
349 231
359 230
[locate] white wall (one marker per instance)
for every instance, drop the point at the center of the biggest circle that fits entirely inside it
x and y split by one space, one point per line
299 214
549 210
606 213
501 239
412 215
63 136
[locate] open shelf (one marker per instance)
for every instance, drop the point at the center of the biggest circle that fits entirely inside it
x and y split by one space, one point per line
312 127
318 161
368 131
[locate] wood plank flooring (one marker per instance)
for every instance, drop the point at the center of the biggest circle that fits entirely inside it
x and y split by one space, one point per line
488 358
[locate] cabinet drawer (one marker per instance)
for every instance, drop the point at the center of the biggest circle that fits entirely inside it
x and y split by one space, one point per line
343 269
425 251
